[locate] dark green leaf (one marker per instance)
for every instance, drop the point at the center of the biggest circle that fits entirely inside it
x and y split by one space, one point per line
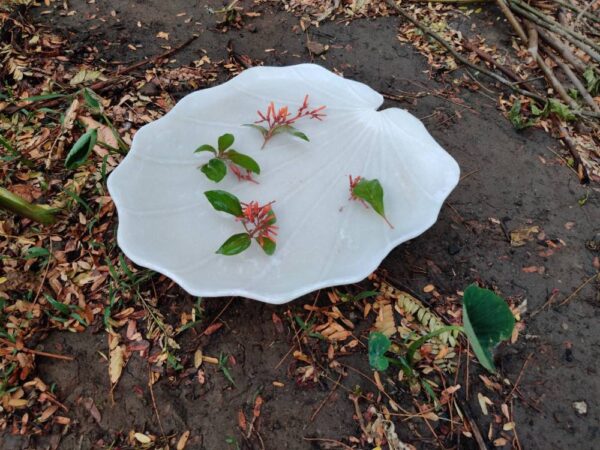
4 143
60 307
81 150
371 192
268 245
379 344
291 130
38 98
515 117
235 244
225 141
262 130
487 322
206 148
224 201
214 170
36 252
243 161
90 99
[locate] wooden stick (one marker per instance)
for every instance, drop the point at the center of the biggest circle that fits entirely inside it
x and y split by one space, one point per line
563 49
576 82
555 26
572 146
487 57
572 7
582 45
554 82
462 59
36 352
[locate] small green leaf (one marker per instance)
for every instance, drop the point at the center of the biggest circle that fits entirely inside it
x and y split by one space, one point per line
60 307
560 109
235 244
488 321
214 170
262 130
535 110
81 150
371 192
36 252
206 148
90 99
225 141
243 161
268 245
291 130
379 344
224 201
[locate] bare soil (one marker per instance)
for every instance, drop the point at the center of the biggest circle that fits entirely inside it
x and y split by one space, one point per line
510 179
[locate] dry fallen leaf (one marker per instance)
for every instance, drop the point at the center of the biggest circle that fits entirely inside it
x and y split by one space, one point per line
183 440
116 361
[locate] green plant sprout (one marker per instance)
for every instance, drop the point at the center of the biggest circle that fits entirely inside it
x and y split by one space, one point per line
216 168
487 321
368 193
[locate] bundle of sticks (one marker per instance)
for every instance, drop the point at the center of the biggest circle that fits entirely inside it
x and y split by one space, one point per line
562 37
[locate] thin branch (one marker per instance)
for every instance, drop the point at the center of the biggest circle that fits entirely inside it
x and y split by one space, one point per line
556 27
577 42
572 7
554 82
563 49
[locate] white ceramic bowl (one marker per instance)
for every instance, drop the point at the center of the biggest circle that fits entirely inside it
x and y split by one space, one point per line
166 223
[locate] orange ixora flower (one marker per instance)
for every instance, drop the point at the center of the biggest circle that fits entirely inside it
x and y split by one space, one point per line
259 221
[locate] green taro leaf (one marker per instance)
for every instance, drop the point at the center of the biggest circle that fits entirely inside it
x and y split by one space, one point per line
235 244
487 322
214 170
225 141
224 201
291 130
371 192
268 245
81 150
243 161
378 345
262 130
205 148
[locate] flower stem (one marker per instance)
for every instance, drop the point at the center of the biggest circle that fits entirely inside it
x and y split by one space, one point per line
18 205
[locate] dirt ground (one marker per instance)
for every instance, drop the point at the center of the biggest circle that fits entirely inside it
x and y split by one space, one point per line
510 179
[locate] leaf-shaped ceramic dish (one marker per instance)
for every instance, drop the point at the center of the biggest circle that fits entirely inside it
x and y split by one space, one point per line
166 223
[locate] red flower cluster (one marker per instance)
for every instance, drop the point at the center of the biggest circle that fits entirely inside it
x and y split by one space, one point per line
353 183
259 221
282 117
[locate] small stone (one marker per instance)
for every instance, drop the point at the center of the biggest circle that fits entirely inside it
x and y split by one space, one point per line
581 408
